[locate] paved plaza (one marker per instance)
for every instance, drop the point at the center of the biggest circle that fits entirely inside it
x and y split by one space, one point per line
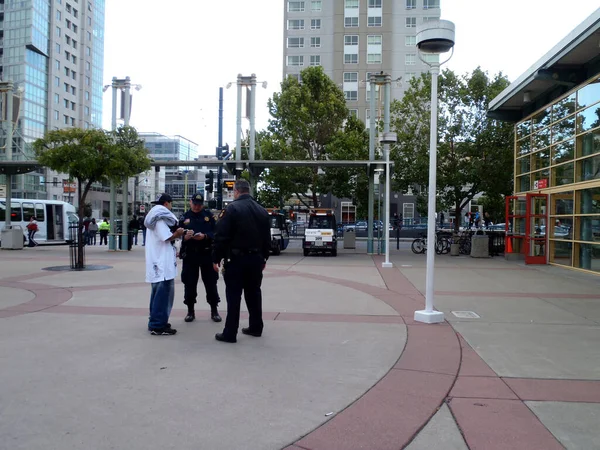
341 364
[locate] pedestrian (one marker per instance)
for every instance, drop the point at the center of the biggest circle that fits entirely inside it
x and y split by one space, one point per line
486 219
197 258
161 263
242 242
442 218
32 228
104 228
134 228
477 219
142 227
86 225
92 230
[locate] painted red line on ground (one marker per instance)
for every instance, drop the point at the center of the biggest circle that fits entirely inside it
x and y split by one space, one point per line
518 294
494 424
532 389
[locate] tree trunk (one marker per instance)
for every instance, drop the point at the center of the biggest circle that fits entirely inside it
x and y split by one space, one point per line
81 207
458 216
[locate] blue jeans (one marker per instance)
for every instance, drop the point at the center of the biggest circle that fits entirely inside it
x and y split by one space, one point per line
161 303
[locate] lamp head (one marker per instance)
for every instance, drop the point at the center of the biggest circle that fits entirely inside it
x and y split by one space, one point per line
228 85
435 37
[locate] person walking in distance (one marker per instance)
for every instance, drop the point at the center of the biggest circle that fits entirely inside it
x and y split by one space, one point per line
197 258
134 228
142 227
161 263
92 231
242 242
32 228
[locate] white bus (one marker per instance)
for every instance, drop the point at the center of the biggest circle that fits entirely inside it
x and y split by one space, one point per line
53 218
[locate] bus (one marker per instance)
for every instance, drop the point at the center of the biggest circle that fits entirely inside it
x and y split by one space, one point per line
53 218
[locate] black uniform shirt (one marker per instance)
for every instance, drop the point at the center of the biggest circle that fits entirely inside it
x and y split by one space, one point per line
202 222
244 226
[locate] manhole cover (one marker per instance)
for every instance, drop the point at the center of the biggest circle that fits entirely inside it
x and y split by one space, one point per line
466 315
68 268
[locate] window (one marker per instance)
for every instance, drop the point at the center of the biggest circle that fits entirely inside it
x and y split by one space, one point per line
56 99
410 41
315 42
411 22
57 48
89 36
410 59
58 31
87 110
87 95
351 58
353 113
68 22
374 3
295 60
56 81
431 58
66 87
74 59
73 90
56 115
374 21
297 24
67 71
88 50
295 42
74 28
295 6
68 39
373 58
57 64
351 40
350 77
66 103
430 4
58 15
351 96
90 21
315 60
87 81
67 55
88 66
409 75
374 40
411 4
315 5
408 211
73 106
68 7
351 4
315 24
75 13
66 119
351 22
72 121
74 43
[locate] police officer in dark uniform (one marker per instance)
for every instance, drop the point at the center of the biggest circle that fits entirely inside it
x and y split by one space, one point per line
196 254
243 242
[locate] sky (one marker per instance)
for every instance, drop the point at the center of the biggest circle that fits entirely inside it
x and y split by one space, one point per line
182 51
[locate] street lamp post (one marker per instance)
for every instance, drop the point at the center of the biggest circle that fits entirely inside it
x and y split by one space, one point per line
433 38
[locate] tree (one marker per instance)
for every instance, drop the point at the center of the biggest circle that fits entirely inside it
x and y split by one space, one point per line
475 153
91 156
307 123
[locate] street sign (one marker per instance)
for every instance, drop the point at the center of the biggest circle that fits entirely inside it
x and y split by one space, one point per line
2 191
142 208
69 187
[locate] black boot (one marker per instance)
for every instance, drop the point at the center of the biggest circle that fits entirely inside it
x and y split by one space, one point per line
214 314
191 315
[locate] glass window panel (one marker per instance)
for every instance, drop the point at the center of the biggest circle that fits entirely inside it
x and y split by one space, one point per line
563 152
523 183
589 256
28 210
561 252
588 201
563 174
588 168
562 228
564 107
563 129
540 159
523 165
39 212
523 146
524 129
589 94
588 144
587 228
542 119
563 203
541 139
15 208
588 118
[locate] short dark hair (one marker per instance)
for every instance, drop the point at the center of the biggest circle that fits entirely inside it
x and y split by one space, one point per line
242 186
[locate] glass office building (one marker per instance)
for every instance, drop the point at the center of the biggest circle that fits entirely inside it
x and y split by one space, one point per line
555 212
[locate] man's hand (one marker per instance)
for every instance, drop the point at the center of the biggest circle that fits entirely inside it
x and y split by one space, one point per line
188 235
216 267
199 236
179 232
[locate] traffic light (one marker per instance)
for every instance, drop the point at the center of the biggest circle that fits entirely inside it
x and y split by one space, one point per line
223 152
208 182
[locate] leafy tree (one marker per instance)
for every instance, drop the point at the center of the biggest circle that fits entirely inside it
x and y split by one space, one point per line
90 156
475 153
495 206
307 123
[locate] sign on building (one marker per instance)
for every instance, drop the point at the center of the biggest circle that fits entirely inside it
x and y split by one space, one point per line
69 187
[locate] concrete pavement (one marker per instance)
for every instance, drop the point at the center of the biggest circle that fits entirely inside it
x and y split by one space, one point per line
341 364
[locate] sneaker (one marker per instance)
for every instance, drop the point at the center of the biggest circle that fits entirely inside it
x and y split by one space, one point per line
166 331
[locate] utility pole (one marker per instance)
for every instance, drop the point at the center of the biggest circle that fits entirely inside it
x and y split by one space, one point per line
220 153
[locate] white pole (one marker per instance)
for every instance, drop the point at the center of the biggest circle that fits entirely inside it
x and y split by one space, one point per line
429 315
238 131
386 154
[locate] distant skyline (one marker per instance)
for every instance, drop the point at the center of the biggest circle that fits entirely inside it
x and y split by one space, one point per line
168 51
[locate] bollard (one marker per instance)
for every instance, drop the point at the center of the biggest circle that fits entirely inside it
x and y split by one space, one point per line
480 245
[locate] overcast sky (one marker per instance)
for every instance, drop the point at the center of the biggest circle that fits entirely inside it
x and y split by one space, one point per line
182 51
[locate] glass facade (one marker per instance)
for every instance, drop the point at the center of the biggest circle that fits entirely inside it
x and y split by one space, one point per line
557 151
97 51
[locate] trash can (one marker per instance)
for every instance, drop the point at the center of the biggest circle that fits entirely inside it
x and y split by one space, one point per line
480 245
349 239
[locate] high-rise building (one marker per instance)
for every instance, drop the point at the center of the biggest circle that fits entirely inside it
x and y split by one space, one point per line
53 51
351 39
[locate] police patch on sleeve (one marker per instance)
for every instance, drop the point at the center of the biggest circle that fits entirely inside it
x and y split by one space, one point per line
222 213
206 219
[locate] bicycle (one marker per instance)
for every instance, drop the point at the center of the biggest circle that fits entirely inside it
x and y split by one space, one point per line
442 244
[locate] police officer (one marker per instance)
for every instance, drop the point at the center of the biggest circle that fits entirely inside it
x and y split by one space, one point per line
196 254
243 241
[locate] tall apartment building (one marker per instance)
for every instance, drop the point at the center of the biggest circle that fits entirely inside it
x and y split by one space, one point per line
53 50
352 38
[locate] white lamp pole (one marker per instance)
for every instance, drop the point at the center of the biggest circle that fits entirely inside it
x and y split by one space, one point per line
433 38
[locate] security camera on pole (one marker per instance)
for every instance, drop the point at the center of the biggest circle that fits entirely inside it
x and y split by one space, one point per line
433 38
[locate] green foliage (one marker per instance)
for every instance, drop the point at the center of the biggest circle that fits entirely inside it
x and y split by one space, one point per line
475 152
310 121
495 206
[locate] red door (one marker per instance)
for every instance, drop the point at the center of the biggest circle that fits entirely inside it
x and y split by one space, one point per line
536 218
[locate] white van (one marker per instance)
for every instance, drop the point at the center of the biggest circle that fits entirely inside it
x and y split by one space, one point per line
53 218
